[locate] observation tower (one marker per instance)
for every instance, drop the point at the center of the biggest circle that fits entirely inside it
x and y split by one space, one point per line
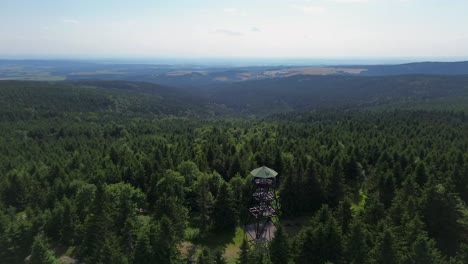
264 206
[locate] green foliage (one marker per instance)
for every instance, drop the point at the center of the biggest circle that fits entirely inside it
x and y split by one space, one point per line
322 241
279 248
244 252
225 211
205 257
356 244
219 257
41 254
119 174
442 212
385 250
143 250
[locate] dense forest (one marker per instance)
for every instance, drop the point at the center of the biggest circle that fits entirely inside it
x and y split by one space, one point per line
120 172
305 93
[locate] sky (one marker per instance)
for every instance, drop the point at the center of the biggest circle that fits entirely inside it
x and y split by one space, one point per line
234 29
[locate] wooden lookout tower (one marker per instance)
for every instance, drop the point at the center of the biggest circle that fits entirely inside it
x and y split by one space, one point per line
264 208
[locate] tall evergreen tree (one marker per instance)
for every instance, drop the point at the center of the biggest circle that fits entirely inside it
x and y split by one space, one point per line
312 187
356 247
225 209
385 251
219 257
442 213
95 228
41 254
424 251
335 188
205 257
322 241
205 203
143 251
288 196
164 242
279 247
244 252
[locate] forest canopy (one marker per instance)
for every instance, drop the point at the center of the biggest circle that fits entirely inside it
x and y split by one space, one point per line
121 172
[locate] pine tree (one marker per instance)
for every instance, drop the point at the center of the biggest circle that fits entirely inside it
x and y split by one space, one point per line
288 196
424 251
421 174
259 256
442 215
305 247
40 252
225 209
313 195
279 165
386 189
95 228
385 251
205 203
322 241
335 188
205 257
244 252
344 214
219 257
172 208
143 251
112 252
163 241
462 255
356 247
279 247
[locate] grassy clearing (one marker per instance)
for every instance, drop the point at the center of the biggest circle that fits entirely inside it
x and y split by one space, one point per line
232 249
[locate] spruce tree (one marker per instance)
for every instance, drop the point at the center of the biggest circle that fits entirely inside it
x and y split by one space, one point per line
40 252
442 213
219 257
244 252
279 247
205 203
95 228
356 247
205 257
385 251
225 209
424 251
322 241
143 251
335 188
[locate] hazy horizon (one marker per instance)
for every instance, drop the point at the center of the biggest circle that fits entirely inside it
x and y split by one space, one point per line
234 62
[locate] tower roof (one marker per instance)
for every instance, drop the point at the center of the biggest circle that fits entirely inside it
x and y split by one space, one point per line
264 172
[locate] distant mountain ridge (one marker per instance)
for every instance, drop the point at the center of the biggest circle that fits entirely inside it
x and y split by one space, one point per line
256 97
200 76
437 68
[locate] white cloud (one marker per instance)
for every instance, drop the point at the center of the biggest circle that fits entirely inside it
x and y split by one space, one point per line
227 32
363 1
352 1
70 21
255 29
313 9
230 10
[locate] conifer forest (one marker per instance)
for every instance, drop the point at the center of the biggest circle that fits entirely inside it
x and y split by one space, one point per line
120 172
